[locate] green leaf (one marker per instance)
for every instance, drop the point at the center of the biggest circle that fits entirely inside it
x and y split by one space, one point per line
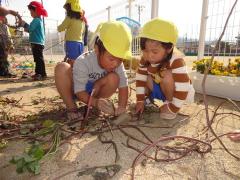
29 161
28 158
48 123
20 164
35 167
15 159
36 151
38 154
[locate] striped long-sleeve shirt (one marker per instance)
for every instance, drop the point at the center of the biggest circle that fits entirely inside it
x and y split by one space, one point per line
181 79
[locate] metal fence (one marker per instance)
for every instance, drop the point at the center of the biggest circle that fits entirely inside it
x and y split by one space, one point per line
140 10
218 11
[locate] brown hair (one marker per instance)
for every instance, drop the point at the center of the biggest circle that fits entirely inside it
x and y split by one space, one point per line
100 45
70 13
165 45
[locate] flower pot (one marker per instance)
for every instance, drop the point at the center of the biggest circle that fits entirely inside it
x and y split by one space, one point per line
220 86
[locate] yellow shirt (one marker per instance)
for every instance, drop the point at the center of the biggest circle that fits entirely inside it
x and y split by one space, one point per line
73 28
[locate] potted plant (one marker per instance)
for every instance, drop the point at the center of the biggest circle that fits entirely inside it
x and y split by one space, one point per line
222 80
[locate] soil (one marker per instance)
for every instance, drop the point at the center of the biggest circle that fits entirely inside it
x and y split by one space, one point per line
87 158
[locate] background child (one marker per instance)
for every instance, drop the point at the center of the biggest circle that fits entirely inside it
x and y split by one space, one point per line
37 38
101 70
73 25
162 72
85 33
6 45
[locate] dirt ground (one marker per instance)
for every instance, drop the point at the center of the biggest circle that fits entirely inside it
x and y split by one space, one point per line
87 158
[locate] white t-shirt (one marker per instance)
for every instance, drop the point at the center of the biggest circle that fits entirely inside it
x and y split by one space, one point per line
86 68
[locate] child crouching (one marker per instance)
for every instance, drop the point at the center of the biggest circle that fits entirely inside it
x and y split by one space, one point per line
162 72
101 70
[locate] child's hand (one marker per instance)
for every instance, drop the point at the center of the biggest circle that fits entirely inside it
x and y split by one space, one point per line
15 13
140 107
105 106
120 110
22 23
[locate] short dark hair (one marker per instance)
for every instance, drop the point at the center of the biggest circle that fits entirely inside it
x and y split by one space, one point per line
100 45
70 13
165 45
30 7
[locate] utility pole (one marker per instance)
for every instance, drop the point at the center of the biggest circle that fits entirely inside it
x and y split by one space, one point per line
109 12
201 45
154 11
130 8
140 9
43 21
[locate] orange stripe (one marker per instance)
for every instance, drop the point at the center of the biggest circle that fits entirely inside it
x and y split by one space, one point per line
173 108
152 69
140 83
168 65
142 72
180 95
178 63
180 77
140 97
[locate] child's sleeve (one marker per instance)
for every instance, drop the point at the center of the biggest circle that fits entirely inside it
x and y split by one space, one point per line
182 84
64 25
141 79
33 25
80 76
122 76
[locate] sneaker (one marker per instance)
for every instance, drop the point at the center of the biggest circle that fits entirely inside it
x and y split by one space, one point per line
38 77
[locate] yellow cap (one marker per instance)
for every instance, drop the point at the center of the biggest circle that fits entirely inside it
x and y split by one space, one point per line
75 5
116 37
160 30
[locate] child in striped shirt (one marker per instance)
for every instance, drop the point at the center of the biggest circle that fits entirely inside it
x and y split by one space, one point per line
162 72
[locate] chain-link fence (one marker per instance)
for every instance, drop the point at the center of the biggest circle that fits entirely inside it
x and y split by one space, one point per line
218 11
140 11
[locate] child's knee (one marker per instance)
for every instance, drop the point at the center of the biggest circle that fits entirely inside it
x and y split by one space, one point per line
167 77
113 78
62 68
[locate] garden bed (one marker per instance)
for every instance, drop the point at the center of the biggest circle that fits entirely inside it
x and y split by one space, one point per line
219 86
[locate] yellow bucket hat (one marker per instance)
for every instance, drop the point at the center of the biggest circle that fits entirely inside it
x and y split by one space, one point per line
160 30
75 5
116 37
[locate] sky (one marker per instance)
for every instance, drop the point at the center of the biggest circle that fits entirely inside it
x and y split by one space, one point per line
184 13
